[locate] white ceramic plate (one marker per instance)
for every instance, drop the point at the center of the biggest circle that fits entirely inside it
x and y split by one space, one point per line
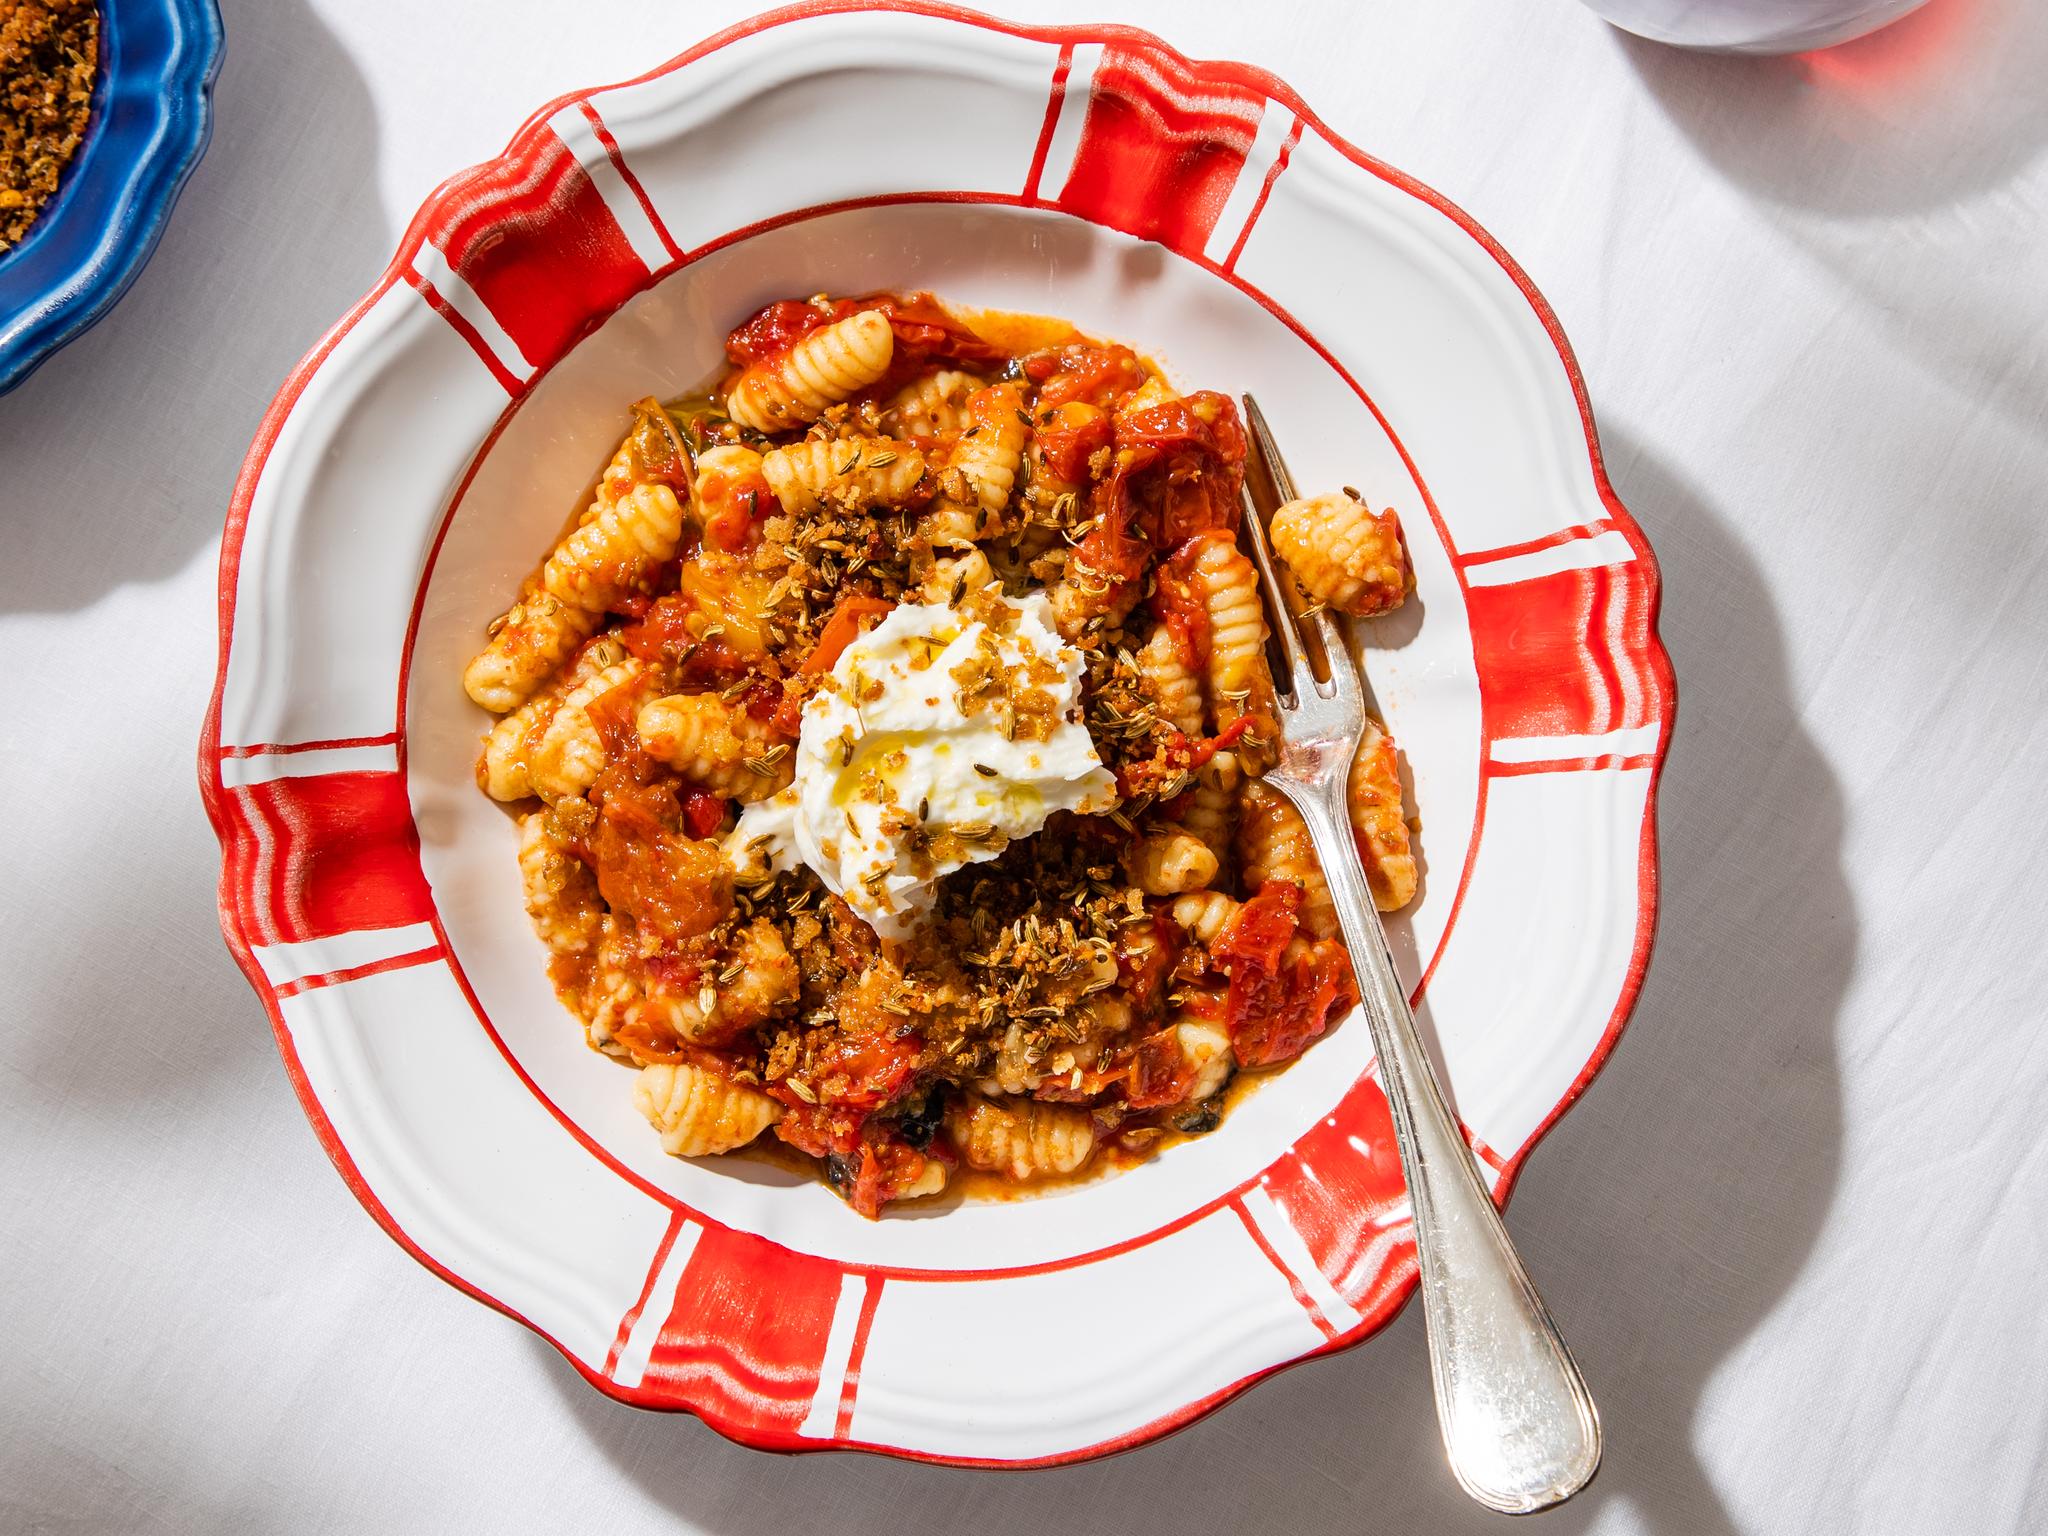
423 454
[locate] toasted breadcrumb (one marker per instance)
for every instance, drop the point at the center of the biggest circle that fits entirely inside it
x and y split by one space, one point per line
49 56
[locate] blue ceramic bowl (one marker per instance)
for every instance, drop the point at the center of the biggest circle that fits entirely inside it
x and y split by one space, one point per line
152 113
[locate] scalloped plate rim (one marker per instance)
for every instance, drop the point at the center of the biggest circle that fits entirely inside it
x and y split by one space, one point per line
287 398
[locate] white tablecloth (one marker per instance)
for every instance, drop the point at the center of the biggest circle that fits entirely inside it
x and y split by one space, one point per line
1797 1230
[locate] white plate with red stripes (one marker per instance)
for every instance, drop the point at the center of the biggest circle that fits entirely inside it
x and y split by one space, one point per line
422 453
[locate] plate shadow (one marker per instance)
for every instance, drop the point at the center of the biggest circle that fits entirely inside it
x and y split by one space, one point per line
163 396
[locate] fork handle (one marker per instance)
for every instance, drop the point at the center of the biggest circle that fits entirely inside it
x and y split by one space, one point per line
1518 1424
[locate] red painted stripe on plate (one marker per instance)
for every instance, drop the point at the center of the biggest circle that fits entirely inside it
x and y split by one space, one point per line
506 377
618 159
335 852
842 1424
1161 147
1530 546
1611 762
746 1337
402 962
661 1253
1054 102
533 238
1546 651
1341 1188
1487 1155
252 883
1302 1298
284 748
1265 191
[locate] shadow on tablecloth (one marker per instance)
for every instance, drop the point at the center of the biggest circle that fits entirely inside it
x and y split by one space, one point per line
279 231
1921 125
1664 1217
1942 104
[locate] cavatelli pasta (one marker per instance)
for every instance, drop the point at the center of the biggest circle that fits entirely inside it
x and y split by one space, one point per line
1175 691
700 1113
958 573
824 368
551 618
982 469
1021 1068
1240 681
505 768
1273 844
727 492
1085 599
930 1180
932 405
526 647
855 474
1375 800
951 526
1021 1139
1205 1048
1211 812
612 986
1343 554
570 755
1166 863
1203 913
758 980
617 552
561 892
716 744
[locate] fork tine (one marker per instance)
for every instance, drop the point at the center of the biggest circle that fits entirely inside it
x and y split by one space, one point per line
1278 614
1344 677
1269 451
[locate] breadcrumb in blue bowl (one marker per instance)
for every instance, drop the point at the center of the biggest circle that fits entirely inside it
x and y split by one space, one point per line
150 119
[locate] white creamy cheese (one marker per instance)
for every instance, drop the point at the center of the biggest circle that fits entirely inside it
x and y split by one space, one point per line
897 784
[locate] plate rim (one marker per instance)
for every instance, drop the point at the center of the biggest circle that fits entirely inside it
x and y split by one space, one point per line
1655 659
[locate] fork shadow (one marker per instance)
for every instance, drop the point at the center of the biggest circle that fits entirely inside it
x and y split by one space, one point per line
1657 1166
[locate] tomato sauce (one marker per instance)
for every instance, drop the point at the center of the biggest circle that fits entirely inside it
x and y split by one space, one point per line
1159 1072
1111 549
841 630
1099 375
863 1069
703 813
1066 439
866 1162
1194 450
672 886
734 507
1277 1003
1145 957
773 330
1177 606
662 636
924 333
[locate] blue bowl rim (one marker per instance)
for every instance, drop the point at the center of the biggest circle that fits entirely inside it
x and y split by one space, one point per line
152 115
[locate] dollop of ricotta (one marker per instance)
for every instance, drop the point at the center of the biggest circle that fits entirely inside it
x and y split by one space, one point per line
940 736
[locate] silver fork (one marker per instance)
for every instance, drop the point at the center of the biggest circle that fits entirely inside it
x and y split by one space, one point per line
1519 1426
